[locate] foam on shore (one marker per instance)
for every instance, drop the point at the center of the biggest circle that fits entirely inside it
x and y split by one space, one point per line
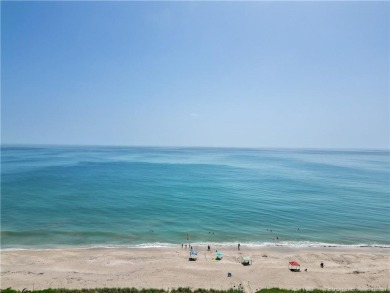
251 245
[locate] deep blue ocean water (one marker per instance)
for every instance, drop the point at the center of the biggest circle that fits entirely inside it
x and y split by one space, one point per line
144 196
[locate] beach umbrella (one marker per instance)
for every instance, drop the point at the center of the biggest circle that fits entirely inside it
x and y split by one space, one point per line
218 255
193 255
246 260
294 266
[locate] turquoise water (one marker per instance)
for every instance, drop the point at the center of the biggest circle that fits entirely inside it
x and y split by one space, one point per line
137 196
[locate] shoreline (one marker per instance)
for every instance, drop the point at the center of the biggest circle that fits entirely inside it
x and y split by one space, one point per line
164 268
224 245
340 248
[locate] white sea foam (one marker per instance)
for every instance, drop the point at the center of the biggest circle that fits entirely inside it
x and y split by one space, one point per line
293 244
197 245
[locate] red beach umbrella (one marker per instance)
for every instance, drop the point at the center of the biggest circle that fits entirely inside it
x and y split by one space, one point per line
294 266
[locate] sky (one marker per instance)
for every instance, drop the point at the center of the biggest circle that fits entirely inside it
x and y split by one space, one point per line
217 74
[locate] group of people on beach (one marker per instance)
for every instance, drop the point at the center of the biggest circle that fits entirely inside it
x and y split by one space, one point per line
184 246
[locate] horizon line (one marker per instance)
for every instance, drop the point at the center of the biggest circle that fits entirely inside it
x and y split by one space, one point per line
192 147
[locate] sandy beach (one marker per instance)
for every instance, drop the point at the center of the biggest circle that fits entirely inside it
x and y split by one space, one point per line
352 268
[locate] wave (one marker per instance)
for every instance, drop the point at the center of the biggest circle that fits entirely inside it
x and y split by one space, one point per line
199 245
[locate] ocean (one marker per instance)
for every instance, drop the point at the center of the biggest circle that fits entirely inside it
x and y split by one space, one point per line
85 196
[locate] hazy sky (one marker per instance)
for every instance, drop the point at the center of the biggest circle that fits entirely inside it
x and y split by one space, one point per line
252 74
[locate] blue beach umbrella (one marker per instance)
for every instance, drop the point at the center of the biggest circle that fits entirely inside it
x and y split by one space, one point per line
193 255
218 255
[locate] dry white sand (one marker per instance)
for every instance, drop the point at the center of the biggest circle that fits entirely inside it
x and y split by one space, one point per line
352 268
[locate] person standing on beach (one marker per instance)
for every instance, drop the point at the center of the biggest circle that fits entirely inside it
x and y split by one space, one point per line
238 246
208 247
